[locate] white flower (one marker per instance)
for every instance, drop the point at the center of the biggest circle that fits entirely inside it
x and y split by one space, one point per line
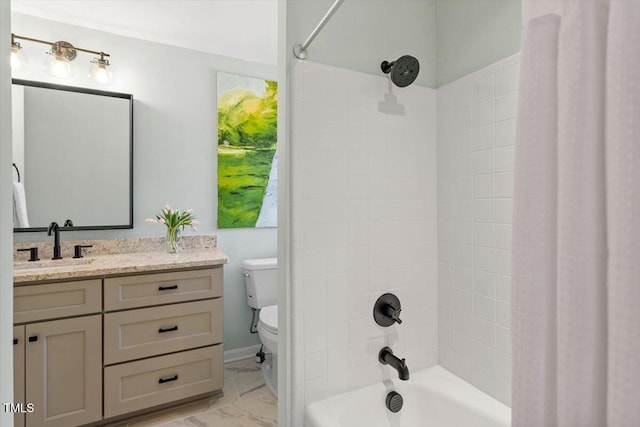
189 211
161 220
195 222
151 221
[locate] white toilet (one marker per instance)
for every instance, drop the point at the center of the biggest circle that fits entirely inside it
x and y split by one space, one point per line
261 280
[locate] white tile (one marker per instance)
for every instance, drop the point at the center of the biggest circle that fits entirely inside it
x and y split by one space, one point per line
503 262
482 114
483 162
484 331
464 302
503 236
464 323
484 234
505 106
446 295
463 187
315 336
358 234
484 259
358 258
504 184
504 211
358 282
463 278
503 365
503 314
485 357
463 255
484 210
503 288
483 137
484 308
358 306
483 89
505 133
504 159
337 261
337 285
315 365
483 186
484 283
463 345
503 339
464 233
462 210
507 80
462 118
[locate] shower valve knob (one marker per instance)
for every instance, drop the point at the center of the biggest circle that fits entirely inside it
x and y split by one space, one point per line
386 310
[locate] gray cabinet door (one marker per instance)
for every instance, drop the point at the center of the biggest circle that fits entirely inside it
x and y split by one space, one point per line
64 371
18 373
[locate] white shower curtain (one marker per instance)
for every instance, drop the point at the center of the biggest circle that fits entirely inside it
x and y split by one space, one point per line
576 236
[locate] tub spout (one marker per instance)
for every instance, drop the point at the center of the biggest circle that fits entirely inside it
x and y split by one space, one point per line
386 357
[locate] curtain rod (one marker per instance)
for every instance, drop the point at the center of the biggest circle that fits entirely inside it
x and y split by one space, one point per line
300 50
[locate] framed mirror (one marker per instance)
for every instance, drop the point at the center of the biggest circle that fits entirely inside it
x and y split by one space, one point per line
73 157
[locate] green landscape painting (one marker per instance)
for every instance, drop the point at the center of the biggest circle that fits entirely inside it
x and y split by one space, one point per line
247 156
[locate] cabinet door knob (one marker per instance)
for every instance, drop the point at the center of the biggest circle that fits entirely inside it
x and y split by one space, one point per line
33 338
15 341
166 380
163 330
166 288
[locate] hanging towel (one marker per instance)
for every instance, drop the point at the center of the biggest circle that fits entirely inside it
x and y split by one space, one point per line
20 218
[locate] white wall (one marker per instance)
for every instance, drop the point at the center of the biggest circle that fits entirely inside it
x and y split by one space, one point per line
476 133
363 33
472 34
6 219
364 223
175 141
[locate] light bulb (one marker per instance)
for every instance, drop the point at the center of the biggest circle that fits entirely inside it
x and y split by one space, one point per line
18 58
100 71
59 67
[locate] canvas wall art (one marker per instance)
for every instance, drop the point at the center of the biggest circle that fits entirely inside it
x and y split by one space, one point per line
247 155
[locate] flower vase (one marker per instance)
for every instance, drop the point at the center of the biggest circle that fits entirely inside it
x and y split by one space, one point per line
173 240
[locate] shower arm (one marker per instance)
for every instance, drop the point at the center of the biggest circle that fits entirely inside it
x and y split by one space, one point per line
300 50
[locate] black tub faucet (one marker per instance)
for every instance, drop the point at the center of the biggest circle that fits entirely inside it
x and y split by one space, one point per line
386 357
55 229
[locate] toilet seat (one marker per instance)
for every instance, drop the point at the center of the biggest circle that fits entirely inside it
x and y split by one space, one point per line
268 319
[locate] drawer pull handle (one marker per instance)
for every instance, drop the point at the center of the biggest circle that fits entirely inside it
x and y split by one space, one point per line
163 330
166 380
33 338
15 341
167 288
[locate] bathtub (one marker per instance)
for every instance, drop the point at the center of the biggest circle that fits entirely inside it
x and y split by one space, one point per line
432 398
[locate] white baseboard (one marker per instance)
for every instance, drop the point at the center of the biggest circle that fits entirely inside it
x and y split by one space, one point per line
241 353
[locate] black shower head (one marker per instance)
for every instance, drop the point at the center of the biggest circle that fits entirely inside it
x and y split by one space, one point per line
403 71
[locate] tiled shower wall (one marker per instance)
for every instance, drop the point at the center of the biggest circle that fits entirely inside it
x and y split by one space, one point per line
364 223
476 135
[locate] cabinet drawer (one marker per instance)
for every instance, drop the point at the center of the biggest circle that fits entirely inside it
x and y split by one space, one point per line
161 288
146 383
152 331
65 299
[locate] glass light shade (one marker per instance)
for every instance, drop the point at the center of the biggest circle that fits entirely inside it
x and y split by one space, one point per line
100 71
18 58
59 66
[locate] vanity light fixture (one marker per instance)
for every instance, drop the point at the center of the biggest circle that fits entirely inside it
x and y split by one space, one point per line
61 54
18 58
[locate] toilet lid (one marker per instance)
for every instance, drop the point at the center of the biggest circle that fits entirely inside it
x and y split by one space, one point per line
269 318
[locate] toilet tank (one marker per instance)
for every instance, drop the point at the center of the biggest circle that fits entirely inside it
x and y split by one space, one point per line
261 280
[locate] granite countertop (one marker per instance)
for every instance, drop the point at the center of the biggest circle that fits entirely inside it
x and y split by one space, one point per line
144 258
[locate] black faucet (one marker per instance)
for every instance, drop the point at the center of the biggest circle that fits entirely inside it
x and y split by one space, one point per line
55 229
386 357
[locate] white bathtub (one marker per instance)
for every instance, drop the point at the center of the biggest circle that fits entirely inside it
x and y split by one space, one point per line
432 398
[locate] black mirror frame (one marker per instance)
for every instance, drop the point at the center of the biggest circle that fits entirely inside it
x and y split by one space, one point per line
100 93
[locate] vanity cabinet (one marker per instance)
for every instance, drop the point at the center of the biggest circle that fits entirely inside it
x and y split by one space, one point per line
155 339
162 338
18 372
58 363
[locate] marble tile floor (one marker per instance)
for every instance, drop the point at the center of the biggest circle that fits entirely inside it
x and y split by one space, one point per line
247 402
